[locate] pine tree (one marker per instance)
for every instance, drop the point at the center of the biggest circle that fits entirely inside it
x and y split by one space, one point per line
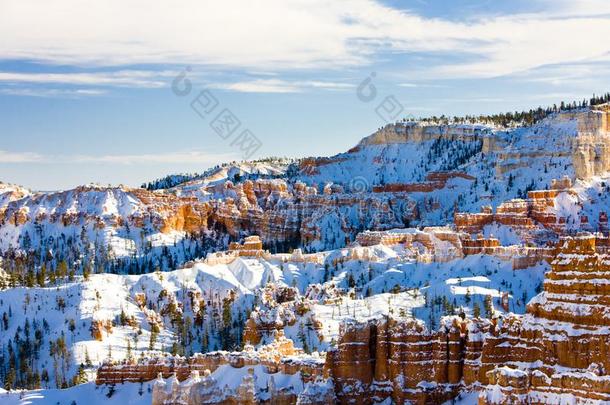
153 339
41 276
205 341
302 338
477 310
227 340
88 362
489 307
81 375
62 269
129 354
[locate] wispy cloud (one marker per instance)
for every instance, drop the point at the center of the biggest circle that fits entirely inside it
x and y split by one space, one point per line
179 157
51 92
288 34
559 75
279 86
121 78
188 157
19 157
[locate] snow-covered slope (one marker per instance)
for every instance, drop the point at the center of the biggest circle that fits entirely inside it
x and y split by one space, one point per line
103 273
234 171
503 164
418 173
185 311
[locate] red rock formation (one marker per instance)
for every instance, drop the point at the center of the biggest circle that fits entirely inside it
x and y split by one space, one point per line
98 327
521 214
279 356
549 351
278 309
562 344
252 247
310 166
434 181
401 360
462 245
273 209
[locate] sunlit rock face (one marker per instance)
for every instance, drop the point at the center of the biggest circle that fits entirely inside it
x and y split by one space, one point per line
561 345
381 242
405 174
281 213
111 223
591 154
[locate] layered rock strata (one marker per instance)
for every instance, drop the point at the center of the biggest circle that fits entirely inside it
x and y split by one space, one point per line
403 361
528 216
441 244
562 345
280 356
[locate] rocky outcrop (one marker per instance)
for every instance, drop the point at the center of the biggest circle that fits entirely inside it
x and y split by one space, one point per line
591 154
441 244
278 308
283 215
98 327
278 356
434 181
561 345
402 360
206 390
404 132
198 390
527 216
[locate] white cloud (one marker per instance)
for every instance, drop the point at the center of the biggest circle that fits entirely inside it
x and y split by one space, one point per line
19 157
188 157
279 86
130 78
46 92
180 157
287 34
258 86
590 73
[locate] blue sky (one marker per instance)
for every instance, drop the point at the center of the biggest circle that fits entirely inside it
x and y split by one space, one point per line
86 88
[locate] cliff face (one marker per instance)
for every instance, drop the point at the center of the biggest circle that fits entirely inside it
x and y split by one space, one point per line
416 132
591 155
127 222
270 356
402 360
404 174
560 346
543 215
279 212
100 207
189 381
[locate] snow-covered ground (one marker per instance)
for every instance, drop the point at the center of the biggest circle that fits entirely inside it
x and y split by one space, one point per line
191 305
84 394
388 284
502 164
426 289
228 377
